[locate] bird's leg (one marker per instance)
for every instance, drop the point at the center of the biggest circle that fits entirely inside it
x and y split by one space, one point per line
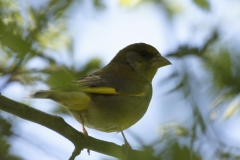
125 139
84 131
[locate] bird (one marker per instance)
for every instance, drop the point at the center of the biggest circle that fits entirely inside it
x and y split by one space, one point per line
114 97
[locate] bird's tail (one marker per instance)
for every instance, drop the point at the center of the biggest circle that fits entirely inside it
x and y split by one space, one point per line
40 94
71 100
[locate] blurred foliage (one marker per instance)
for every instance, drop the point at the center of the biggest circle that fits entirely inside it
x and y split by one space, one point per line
36 32
219 80
30 34
41 32
5 134
175 152
99 4
202 74
129 3
204 4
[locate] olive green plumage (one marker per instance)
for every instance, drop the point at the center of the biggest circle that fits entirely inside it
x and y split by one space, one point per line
115 97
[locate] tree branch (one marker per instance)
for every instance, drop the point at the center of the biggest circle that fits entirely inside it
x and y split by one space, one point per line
58 125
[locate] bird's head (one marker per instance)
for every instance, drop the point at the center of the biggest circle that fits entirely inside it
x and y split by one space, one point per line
142 58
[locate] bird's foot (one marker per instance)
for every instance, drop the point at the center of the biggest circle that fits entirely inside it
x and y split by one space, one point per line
126 147
84 131
126 151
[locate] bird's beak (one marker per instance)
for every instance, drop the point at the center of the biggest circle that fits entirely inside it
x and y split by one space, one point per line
160 61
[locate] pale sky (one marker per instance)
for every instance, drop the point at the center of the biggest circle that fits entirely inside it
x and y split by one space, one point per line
103 35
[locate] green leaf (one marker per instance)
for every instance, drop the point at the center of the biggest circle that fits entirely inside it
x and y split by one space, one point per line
214 114
204 4
181 130
231 109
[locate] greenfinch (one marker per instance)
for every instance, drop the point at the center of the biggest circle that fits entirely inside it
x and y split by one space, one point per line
115 97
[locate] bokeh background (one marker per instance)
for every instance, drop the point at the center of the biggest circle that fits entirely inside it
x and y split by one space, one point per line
194 112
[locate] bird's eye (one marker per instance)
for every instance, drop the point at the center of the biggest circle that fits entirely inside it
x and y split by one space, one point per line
144 53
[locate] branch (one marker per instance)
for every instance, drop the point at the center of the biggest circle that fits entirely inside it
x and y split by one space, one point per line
58 125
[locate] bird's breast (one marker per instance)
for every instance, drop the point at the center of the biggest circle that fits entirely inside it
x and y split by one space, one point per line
113 113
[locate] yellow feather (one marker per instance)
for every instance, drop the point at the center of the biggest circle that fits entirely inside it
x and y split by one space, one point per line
72 100
108 90
100 90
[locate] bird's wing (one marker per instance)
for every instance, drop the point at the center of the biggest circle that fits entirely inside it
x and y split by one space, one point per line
109 84
76 95
94 84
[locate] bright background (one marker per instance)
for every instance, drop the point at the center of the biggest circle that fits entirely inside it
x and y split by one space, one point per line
101 33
